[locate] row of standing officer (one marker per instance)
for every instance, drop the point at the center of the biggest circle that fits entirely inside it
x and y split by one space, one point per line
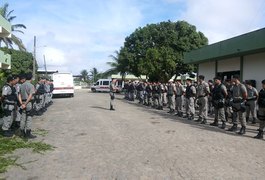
18 101
240 97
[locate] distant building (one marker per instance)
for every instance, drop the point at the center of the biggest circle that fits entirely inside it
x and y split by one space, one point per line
243 55
5 31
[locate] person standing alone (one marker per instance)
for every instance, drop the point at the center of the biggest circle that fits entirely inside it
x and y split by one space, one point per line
113 89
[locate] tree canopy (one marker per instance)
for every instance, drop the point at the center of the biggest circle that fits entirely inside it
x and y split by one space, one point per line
156 50
22 62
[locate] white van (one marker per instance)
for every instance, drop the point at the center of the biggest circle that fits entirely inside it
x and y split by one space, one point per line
63 84
102 85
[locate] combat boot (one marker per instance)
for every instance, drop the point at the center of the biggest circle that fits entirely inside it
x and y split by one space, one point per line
111 108
215 123
29 135
259 135
223 125
233 128
204 121
199 119
254 121
7 133
247 119
180 114
242 130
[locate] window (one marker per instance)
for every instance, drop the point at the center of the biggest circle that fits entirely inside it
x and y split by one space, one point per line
106 83
97 83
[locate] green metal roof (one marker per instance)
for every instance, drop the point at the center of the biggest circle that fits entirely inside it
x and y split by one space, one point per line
249 43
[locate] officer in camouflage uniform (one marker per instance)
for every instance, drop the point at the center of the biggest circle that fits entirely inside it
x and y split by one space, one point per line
190 98
251 102
239 96
261 111
39 97
161 89
9 98
203 91
26 97
170 93
180 90
149 90
113 89
219 94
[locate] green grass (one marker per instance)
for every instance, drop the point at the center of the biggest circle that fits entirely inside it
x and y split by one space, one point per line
9 145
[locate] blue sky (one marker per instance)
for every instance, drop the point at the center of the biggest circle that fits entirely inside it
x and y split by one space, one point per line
81 34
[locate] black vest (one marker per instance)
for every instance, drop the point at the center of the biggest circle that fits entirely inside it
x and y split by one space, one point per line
41 89
217 92
13 96
261 100
189 92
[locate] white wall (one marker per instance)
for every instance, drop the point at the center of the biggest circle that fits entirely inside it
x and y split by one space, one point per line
207 69
232 64
254 68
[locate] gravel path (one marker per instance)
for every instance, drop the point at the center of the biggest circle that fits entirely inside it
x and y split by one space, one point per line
134 142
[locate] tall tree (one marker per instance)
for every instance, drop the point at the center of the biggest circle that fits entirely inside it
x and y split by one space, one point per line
22 62
156 50
10 41
94 74
84 75
118 65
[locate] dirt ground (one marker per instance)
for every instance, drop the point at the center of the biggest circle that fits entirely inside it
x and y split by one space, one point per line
134 142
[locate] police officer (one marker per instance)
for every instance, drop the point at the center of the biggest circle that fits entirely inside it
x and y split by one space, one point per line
155 95
161 89
219 94
113 89
170 93
190 98
239 96
39 97
203 91
180 90
17 111
149 90
26 96
9 98
261 111
140 88
251 102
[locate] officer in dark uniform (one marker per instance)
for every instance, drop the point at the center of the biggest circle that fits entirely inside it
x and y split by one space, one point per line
219 94
9 98
261 111
190 98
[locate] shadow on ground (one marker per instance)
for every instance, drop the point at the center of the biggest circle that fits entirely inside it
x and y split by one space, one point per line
251 130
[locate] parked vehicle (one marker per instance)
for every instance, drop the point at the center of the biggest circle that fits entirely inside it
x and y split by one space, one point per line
102 85
63 84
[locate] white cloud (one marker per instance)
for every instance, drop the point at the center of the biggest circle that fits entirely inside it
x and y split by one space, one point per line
219 20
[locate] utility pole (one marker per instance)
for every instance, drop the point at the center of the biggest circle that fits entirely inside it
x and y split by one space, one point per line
34 60
45 65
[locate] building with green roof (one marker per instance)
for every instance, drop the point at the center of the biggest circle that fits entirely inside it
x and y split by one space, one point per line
5 31
243 55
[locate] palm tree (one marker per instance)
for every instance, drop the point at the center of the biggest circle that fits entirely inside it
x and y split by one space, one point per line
84 75
94 74
9 41
118 65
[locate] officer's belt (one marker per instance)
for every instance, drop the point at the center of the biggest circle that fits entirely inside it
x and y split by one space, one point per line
202 96
9 103
238 100
178 95
252 99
